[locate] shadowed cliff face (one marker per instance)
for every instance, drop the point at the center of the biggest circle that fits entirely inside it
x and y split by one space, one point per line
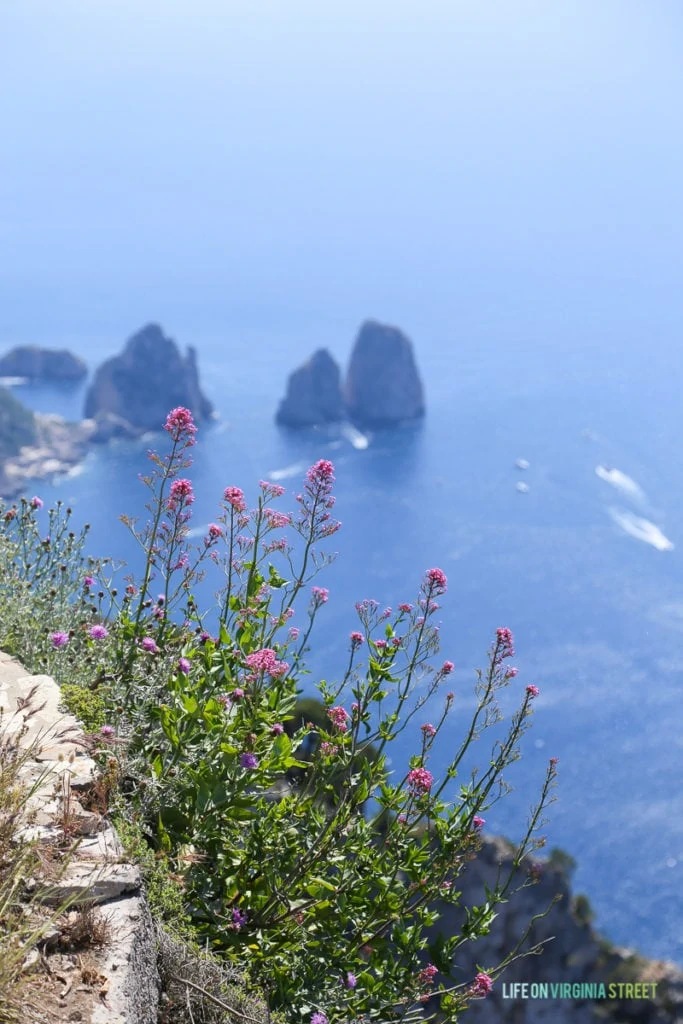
150 377
382 385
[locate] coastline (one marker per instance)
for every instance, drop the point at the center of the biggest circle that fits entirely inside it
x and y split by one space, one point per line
60 447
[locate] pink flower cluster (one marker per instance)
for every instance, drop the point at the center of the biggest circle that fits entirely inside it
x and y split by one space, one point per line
481 986
235 497
339 716
420 781
533 691
436 581
180 424
505 643
266 660
320 596
427 975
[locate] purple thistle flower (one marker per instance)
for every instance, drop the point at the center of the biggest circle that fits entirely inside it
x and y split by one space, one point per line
98 632
59 639
184 665
149 644
248 760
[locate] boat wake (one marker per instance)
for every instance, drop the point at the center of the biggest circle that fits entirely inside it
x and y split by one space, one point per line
641 529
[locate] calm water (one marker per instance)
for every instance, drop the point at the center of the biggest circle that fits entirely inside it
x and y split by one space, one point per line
598 614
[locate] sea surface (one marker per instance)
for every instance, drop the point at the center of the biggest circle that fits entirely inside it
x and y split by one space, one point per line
584 564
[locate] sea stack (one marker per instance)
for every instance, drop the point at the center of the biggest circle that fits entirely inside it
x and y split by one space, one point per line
313 393
136 390
382 386
34 363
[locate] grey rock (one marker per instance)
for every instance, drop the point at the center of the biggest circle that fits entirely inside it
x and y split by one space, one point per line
37 363
88 883
107 426
313 393
130 964
140 386
382 386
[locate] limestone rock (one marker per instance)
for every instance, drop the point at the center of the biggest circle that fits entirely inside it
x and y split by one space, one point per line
141 386
313 393
37 363
382 386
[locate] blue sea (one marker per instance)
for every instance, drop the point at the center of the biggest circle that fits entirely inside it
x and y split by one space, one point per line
501 181
597 611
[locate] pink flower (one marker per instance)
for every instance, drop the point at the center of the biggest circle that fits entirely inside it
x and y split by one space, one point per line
215 531
98 632
328 749
478 822
277 729
179 423
182 489
322 473
505 643
447 668
481 985
148 644
271 490
380 644
428 729
533 691
235 497
420 781
339 717
436 581
36 502
294 632
277 520
59 639
427 975
237 693
511 672
88 582
107 731
356 639
554 760
320 596
405 607
184 665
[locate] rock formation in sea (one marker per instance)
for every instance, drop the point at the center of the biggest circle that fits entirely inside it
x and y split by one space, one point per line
313 393
382 385
133 392
42 364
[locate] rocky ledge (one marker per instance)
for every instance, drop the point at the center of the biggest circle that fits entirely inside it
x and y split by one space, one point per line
57 447
132 393
382 386
34 363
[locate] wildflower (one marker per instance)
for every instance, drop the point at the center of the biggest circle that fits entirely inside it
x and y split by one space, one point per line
237 693
184 665
328 749
482 985
149 644
320 595
396 641
428 729
319 1018
380 644
420 781
321 474
215 531
405 607
277 729
248 760
533 691
224 701
107 731
36 502
447 668
131 590
427 975
339 717
239 918
277 520
59 639
478 822
271 490
505 643
511 672
554 760
179 423
436 580
294 632
235 497
98 632
182 489
356 639
88 582
350 981
204 637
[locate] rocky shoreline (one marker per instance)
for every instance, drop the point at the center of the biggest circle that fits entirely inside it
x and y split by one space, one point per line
59 447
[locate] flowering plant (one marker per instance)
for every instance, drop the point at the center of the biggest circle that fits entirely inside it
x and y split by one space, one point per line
305 855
